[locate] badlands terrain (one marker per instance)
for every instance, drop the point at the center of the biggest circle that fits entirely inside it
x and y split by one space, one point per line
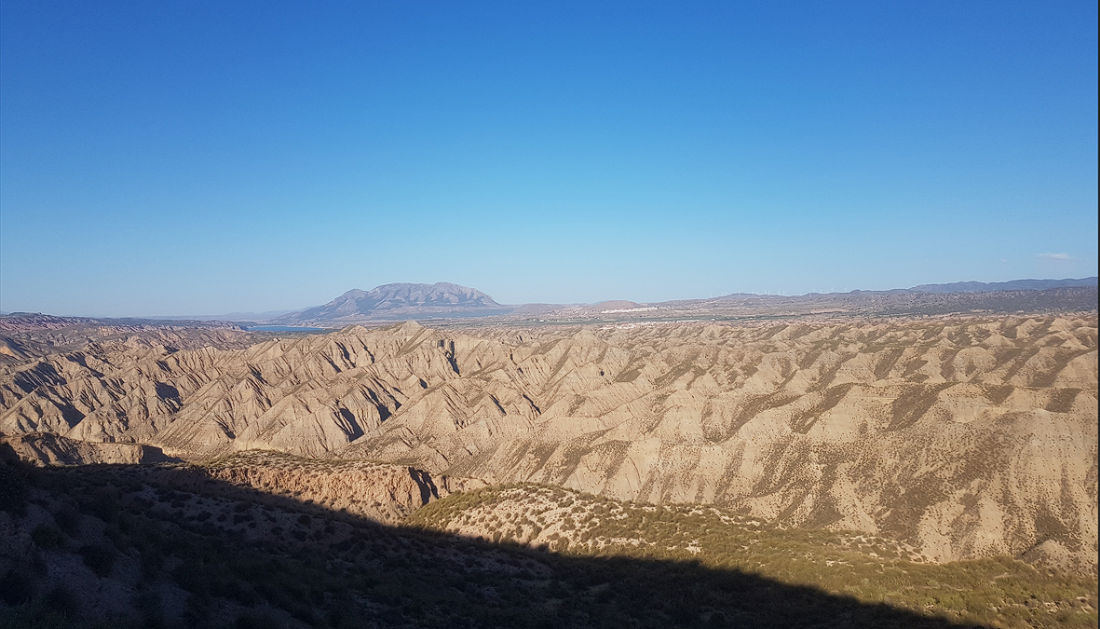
886 446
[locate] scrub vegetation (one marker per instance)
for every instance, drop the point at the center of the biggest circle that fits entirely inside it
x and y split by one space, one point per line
997 592
147 546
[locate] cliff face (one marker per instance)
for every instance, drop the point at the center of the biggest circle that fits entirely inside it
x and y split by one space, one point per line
382 493
51 449
962 437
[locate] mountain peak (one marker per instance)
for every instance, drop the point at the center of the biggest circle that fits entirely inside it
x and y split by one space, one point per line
399 302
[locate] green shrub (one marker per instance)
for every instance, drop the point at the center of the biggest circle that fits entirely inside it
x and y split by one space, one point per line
16 587
61 601
257 620
99 557
47 537
13 488
68 519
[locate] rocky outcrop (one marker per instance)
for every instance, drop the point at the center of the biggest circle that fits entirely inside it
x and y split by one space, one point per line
382 493
49 449
961 436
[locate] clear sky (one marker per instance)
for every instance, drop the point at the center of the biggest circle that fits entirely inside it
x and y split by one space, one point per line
173 158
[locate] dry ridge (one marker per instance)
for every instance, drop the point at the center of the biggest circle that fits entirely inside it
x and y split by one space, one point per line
961 437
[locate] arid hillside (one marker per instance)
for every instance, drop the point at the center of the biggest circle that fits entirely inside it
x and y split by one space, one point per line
241 543
958 437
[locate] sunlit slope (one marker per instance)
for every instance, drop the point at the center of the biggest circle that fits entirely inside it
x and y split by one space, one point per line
993 592
961 437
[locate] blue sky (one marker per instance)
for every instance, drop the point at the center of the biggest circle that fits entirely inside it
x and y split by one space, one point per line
200 158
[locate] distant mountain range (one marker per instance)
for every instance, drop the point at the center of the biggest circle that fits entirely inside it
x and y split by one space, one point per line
443 300
398 302
978 287
405 301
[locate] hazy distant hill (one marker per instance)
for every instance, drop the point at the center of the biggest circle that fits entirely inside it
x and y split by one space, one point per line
391 302
443 300
975 287
37 321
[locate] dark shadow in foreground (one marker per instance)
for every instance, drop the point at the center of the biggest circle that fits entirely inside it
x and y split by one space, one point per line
196 552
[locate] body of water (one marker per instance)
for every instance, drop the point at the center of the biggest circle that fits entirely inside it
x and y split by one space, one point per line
282 328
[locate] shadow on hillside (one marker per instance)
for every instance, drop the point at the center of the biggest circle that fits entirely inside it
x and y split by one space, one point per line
272 561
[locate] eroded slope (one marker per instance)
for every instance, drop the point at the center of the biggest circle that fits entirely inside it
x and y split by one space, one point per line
962 437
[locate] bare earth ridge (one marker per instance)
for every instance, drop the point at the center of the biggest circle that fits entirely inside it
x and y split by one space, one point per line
958 436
